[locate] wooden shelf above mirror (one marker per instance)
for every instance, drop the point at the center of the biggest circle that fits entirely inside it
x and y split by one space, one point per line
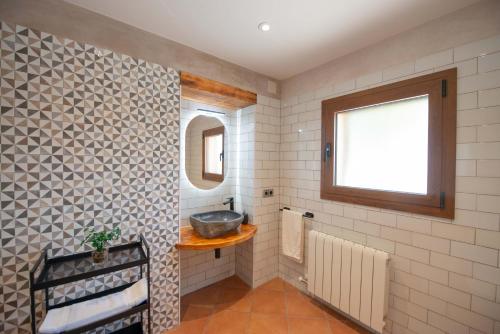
211 92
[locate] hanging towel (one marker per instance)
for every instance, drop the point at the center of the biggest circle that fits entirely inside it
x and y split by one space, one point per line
292 227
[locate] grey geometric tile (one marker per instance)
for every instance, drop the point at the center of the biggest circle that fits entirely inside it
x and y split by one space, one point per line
88 138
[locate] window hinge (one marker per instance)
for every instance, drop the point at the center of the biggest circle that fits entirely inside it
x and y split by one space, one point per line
441 200
444 88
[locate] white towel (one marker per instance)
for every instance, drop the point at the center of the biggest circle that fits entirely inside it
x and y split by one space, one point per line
137 293
292 227
73 316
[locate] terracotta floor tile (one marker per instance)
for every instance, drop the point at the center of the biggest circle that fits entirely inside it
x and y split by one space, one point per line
267 324
308 326
190 327
231 307
302 306
233 282
269 302
193 319
228 322
290 288
275 284
205 296
235 299
341 325
194 312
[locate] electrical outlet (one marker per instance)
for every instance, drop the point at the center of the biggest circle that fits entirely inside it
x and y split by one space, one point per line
268 193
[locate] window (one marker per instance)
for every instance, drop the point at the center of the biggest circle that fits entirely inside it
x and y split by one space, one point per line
400 127
393 146
213 154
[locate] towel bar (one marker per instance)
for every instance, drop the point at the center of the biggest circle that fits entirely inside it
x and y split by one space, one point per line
307 214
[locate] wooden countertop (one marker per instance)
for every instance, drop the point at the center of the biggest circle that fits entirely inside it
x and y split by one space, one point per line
192 240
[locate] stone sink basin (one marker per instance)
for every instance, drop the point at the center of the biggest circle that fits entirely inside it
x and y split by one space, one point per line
213 224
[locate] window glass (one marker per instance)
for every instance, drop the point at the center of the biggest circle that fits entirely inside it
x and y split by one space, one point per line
383 146
213 154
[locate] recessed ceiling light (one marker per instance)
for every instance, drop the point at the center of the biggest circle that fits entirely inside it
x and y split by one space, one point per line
264 26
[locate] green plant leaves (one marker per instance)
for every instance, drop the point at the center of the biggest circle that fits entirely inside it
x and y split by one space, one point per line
99 240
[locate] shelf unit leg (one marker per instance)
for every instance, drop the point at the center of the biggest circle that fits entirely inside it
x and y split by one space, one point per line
142 313
149 296
33 315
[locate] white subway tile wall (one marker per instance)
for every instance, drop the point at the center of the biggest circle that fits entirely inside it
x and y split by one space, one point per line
266 175
244 189
200 268
445 275
253 166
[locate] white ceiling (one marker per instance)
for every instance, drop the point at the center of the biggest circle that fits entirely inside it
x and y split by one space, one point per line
304 33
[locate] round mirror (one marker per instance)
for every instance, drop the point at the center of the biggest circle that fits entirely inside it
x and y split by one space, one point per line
205 143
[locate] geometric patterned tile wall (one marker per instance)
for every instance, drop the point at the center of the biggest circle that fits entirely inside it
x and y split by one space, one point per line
88 138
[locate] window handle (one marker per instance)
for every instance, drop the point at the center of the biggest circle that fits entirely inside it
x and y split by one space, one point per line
221 156
328 151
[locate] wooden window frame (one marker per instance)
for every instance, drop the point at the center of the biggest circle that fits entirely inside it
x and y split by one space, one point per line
440 198
208 133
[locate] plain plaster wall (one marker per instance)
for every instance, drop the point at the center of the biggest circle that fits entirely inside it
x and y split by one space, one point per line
67 20
460 27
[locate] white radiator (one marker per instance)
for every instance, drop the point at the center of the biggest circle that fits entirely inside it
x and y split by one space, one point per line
351 277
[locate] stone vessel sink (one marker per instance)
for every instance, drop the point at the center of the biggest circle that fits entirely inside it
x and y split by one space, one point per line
213 224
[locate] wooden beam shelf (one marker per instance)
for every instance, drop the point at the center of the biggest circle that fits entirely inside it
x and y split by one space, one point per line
211 92
192 240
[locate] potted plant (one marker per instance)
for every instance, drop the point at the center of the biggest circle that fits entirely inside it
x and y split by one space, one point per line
99 240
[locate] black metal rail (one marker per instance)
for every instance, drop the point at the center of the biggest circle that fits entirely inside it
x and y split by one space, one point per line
307 214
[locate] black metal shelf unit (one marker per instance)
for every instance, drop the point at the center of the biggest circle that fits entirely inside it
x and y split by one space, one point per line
71 268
